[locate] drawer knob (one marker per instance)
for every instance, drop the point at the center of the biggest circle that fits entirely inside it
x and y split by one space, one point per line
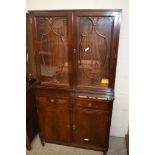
102 98
52 100
68 126
86 139
90 104
74 50
74 127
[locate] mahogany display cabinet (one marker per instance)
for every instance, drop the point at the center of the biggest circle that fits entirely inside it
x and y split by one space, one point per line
75 57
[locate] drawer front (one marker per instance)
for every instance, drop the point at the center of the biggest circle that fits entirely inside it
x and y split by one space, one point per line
50 97
50 100
93 104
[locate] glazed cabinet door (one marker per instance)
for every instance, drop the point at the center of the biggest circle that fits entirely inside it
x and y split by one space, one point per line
96 45
54 121
52 39
91 128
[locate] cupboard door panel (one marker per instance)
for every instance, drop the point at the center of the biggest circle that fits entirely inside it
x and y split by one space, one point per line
54 123
52 33
91 128
96 46
94 50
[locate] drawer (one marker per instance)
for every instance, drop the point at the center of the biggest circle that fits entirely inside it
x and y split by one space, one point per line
93 104
49 100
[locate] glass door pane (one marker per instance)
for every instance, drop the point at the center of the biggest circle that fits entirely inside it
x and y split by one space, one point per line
94 37
52 45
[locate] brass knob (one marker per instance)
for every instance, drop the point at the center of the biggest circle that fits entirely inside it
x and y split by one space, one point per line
90 104
68 126
74 50
74 127
52 100
86 139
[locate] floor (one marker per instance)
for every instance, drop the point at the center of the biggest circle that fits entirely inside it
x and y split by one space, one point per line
116 147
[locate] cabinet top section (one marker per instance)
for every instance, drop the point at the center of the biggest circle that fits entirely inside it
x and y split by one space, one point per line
76 49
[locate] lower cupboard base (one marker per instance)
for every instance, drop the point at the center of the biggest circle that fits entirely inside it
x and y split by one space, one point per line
104 150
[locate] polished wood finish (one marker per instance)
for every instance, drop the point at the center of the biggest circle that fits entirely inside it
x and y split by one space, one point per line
75 55
31 115
87 117
88 127
49 109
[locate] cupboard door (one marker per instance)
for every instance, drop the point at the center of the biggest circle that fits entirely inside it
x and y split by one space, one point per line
97 48
91 128
52 37
54 123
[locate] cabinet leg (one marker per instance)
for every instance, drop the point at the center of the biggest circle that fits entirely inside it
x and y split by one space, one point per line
42 142
105 153
28 147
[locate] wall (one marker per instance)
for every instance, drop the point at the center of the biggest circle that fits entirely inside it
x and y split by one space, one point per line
120 111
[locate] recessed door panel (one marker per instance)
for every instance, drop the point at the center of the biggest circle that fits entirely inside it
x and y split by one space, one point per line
52 49
91 128
94 46
54 123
